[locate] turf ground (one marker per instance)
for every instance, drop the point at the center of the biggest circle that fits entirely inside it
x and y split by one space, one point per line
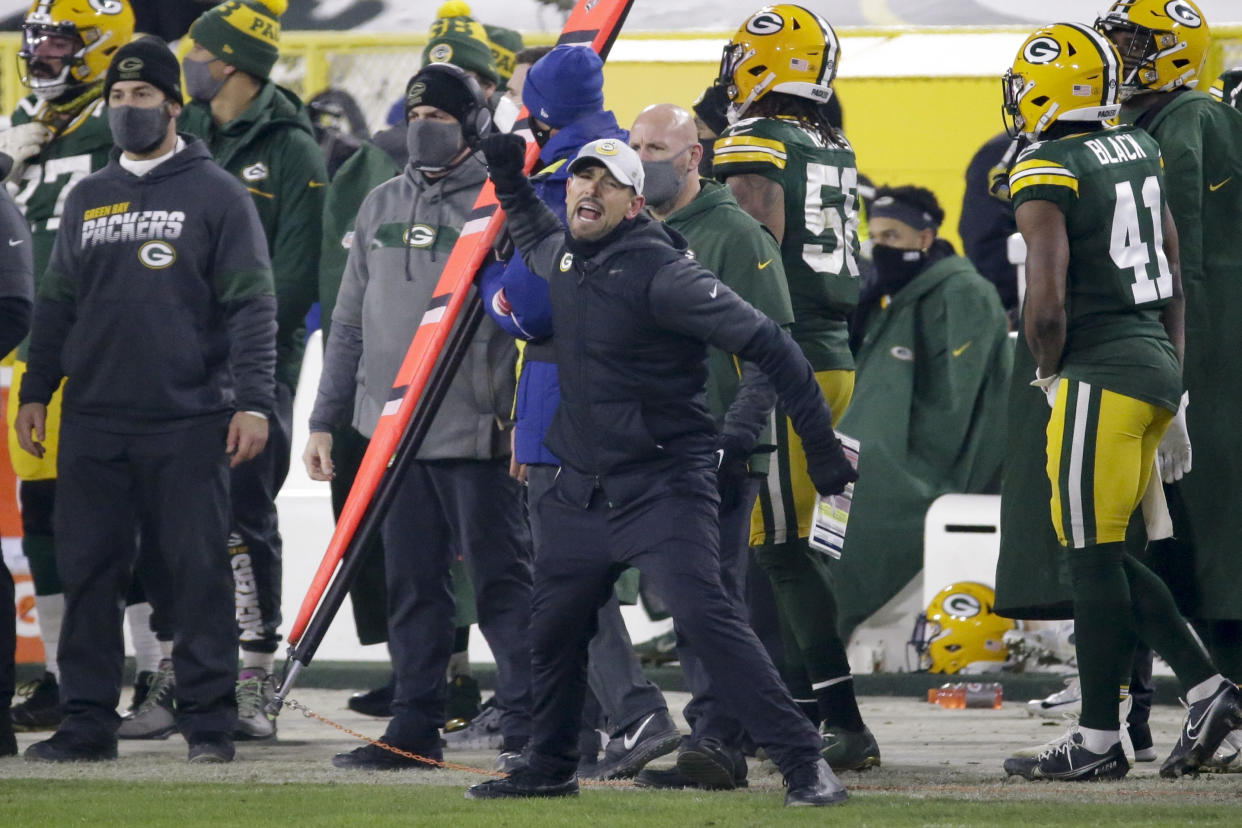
941 767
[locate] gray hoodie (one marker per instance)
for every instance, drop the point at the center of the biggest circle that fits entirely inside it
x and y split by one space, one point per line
405 230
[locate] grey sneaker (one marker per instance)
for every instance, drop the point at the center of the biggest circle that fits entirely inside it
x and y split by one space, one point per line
211 750
255 688
154 718
483 732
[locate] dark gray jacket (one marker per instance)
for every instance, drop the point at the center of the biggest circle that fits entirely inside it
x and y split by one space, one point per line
633 317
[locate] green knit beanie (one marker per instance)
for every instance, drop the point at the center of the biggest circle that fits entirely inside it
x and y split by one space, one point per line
463 43
242 33
506 43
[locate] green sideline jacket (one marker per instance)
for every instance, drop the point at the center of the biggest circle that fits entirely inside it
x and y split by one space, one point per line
929 413
271 149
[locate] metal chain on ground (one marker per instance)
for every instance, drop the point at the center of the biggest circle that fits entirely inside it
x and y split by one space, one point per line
294 704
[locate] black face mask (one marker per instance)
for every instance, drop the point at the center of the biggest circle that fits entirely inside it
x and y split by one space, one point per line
894 267
541 134
709 152
139 130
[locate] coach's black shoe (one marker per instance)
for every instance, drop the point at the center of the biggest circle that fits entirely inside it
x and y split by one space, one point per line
1207 723
523 783
377 702
66 747
1068 760
211 749
373 757
712 767
627 753
813 784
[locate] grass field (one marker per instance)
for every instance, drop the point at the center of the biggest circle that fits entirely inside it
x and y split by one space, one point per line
103 803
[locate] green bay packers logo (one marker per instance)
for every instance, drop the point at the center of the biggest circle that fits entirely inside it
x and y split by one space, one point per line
765 23
107 6
157 255
607 147
255 172
567 261
130 64
1183 13
441 53
421 236
1041 50
903 353
962 605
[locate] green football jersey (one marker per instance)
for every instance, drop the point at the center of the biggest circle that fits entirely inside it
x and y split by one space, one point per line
1228 87
1110 186
820 248
79 149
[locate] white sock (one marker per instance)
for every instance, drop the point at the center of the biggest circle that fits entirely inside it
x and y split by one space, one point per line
1099 741
1204 689
50 610
146 645
262 661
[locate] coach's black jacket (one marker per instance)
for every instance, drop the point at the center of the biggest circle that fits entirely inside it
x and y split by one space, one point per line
633 314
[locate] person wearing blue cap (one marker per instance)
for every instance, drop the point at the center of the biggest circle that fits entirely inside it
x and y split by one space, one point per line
564 93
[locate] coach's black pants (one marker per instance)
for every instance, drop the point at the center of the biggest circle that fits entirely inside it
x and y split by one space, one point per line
175 485
442 508
664 523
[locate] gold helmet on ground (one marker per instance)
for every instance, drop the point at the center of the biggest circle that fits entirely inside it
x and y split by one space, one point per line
69 43
1163 43
959 629
783 48
1063 72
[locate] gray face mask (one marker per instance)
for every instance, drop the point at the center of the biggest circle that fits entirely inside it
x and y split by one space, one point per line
199 84
138 130
662 181
433 145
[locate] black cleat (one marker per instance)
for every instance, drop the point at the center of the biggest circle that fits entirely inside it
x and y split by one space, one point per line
652 736
1207 723
377 702
373 757
848 749
41 709
813 784
1068 760
709 766
523 783
65 747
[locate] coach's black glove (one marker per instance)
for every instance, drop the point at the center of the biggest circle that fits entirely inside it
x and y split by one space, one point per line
731 470
829 469
506 157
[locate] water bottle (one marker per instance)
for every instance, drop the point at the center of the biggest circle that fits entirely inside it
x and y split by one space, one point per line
963 695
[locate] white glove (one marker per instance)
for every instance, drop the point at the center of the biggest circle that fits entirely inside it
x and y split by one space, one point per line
1174 448
1048 385
21 143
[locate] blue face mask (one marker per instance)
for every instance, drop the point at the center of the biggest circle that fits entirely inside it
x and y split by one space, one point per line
199 84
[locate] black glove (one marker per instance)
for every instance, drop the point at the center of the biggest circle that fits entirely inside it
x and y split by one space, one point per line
712 108
506 158
731 471
829 469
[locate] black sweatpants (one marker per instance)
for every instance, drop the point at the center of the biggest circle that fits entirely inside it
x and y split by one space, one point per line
8 636
669 531
443 507
254 539
175 485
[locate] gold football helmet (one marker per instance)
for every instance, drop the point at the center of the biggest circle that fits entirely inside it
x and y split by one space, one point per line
1163 43
783 48
1063 72
959 629
68 43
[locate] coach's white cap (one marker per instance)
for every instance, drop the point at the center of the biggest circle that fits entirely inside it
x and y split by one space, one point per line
616 156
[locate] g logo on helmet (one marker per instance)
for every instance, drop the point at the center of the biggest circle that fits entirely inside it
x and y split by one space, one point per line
765 23
107 6
130 64
421 236
157 255
1183 13
441 53
1041 50
962 605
